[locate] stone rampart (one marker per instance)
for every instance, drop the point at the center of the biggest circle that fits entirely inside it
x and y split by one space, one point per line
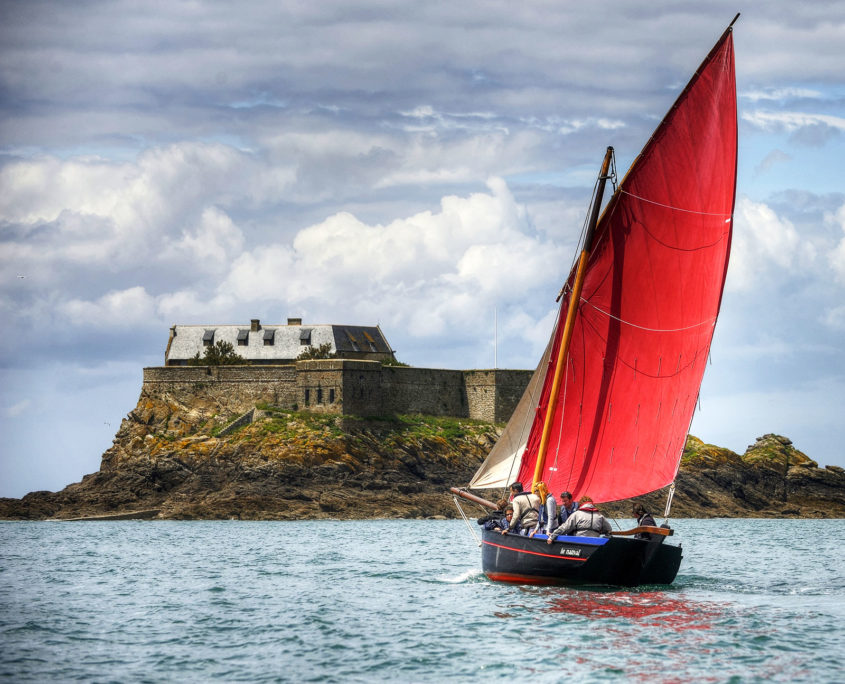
429 391
234 388
347 387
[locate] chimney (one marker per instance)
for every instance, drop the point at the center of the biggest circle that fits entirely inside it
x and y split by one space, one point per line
255 325
294 321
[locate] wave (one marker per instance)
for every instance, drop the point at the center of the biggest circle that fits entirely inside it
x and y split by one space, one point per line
472 575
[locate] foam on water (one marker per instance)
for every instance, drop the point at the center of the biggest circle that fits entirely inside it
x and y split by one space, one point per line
471 575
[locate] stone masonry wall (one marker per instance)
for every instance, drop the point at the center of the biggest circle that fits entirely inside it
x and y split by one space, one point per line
362 389
510 384
347 387
494 394
481 394
423 390
234 388
339 386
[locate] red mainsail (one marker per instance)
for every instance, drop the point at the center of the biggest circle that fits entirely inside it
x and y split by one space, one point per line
649 304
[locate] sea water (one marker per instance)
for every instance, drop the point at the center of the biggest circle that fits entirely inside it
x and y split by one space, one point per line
405 600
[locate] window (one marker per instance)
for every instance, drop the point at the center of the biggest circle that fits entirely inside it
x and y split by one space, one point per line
370 341
331 396
208 338
352 341
305 337
319 395
307 396
269 337
243 338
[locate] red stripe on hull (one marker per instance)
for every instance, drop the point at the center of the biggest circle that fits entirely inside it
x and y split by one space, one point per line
536 553
518 579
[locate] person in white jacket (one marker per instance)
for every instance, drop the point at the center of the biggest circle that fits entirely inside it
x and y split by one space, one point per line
526 510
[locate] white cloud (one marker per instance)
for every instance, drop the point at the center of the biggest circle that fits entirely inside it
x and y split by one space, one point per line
17 409
106 214
764 245
425 274
772 159
837 255
835 317
131 308
791 121
781 94
429 158
567 127
211 245
265 273
421 112
39 190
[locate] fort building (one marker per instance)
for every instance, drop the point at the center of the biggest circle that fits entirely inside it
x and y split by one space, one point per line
277 343
356 381
346 387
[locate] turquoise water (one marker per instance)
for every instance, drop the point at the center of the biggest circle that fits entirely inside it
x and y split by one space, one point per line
755 600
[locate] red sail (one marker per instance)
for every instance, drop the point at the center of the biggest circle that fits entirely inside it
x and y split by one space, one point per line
649 304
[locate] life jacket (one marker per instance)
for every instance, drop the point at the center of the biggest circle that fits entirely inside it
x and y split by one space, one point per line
593 511
526 513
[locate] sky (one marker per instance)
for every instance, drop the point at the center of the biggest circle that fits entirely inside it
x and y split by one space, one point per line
426 167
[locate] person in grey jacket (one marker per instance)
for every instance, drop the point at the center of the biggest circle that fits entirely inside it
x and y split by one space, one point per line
585 522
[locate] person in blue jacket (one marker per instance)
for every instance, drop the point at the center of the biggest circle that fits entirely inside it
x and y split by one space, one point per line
567 506
496 519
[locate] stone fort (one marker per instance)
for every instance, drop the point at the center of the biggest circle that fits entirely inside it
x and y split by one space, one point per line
355 382
348 386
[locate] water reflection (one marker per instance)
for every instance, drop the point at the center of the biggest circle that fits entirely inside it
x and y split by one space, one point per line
646 608
642 636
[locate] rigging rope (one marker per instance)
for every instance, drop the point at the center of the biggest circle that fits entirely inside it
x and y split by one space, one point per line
582 237
642 327
669 206
466 520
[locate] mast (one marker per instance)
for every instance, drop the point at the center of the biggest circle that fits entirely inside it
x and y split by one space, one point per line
570 315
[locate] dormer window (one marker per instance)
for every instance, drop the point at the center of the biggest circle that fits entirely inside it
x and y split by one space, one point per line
269 337
208 338
352 341
305 337
243 338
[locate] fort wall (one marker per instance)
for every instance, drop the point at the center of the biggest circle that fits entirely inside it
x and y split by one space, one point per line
348 387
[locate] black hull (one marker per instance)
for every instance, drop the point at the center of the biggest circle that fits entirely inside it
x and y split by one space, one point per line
578 560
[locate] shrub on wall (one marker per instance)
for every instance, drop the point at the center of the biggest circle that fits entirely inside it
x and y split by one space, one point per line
324 351
219 354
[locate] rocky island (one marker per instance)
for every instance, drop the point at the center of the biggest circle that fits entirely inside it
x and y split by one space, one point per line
192 453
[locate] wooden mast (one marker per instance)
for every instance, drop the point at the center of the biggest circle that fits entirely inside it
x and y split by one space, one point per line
574 301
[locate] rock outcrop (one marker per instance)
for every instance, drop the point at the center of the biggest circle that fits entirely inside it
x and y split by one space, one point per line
771 479
176 456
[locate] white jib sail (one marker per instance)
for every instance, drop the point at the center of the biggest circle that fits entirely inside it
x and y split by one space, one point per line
502 463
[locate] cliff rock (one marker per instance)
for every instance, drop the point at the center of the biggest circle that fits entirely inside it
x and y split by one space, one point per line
187 455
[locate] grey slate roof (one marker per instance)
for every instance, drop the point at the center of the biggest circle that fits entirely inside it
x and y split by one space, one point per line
276 342
354 338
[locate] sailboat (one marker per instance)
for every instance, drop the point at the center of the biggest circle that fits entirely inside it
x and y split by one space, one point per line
607 412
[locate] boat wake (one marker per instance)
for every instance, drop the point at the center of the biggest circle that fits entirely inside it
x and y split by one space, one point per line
472 575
